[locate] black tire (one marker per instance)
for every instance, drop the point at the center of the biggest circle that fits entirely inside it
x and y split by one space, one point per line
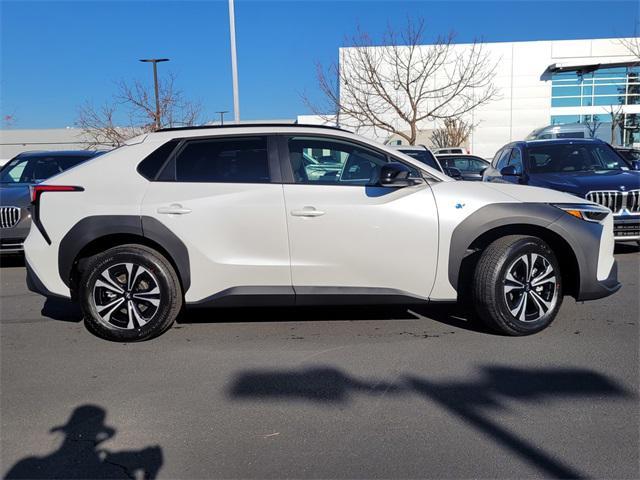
136 317
495 296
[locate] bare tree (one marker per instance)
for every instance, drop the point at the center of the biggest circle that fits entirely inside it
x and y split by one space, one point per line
617 120
132 111
593 124
398 86
632 44
454 133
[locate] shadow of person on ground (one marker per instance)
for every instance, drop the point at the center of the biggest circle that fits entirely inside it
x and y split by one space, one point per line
471 401
80 457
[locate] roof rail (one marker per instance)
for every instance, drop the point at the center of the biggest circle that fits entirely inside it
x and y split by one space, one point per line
257 124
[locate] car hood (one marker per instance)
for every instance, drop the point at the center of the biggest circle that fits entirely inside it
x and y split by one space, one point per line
14 195
523 193
580 183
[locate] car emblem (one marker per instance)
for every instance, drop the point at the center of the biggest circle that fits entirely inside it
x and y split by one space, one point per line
622 187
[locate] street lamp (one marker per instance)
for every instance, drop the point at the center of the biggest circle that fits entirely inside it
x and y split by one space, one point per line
234 62
155 62
222 112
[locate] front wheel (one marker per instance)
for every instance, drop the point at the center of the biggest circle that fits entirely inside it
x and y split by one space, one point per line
517 286
129 293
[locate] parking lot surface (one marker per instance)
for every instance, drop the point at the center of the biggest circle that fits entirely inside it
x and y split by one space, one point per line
321 393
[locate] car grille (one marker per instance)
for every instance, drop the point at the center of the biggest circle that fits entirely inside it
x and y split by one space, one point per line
617 201
9 216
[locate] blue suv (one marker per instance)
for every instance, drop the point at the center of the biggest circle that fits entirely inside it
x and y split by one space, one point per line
587 168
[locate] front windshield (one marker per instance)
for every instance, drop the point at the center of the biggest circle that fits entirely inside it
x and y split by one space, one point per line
37 169
568 158
423 156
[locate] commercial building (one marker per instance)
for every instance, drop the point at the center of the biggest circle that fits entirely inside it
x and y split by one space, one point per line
553 82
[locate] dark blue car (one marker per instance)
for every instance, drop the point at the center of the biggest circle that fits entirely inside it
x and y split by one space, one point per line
589 169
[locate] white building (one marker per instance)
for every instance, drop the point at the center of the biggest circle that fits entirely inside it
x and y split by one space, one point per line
15 141
554 82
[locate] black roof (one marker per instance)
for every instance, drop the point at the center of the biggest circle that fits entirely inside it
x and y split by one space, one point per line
257 124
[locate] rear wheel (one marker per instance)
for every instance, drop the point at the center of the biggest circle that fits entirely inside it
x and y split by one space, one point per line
517 286
129 293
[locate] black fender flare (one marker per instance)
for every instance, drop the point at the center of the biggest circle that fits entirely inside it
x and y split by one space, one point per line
582 237
92 228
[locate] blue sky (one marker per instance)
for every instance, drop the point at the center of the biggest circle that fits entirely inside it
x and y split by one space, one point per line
57 55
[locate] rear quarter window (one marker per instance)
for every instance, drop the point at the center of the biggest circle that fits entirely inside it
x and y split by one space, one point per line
150 166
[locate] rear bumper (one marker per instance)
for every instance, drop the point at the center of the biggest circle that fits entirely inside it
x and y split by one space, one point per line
35 285
592 289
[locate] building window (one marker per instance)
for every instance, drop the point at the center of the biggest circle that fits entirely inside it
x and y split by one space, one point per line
603 87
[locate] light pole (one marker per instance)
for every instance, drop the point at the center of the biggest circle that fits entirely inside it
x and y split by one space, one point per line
234 62
155 62
222 112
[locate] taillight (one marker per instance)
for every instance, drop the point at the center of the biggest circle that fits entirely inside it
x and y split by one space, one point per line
37 190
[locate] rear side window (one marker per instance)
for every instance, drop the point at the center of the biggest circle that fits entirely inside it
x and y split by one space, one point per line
150 166
231 160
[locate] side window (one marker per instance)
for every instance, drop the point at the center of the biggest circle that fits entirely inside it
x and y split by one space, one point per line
504 159
149 167
516 159
229 160
316 160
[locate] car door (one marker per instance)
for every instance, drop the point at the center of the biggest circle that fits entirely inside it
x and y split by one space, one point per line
349 235
222 198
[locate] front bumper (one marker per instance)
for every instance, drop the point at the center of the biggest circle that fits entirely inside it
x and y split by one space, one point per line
12 238
626 228
592 289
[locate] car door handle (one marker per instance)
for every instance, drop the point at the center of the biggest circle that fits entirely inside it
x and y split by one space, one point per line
307 212
174 209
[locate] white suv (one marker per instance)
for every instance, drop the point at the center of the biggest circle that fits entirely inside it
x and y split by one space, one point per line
299 215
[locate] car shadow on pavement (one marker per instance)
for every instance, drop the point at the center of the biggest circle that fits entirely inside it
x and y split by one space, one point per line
471 401
626 248
450 314
61 309
9 261
79 455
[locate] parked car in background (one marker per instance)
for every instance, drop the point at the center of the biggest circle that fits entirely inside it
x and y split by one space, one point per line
631 156
570 130
230 215
424 155
16 176
442 151
470 166
585 168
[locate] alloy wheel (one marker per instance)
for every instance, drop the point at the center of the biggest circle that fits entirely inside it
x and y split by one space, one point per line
530 289
126 296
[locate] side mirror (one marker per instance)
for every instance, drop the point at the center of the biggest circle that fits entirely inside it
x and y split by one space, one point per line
635 164
509 171
453 172
395 174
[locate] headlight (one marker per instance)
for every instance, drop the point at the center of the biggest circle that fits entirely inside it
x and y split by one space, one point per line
584 211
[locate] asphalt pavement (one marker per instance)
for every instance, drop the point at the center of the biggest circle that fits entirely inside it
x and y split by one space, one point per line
321 393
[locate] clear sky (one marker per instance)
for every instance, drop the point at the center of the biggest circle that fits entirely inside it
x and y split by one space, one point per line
57 55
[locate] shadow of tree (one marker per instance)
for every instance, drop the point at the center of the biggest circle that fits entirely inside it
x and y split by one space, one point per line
467 400
79 457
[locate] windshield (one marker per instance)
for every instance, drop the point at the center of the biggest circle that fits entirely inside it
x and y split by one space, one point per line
566 158
38 169
423 156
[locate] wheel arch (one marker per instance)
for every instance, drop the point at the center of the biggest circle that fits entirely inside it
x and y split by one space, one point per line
569 266
498 220
96 234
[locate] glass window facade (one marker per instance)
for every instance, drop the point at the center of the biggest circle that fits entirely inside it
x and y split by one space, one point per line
606 86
